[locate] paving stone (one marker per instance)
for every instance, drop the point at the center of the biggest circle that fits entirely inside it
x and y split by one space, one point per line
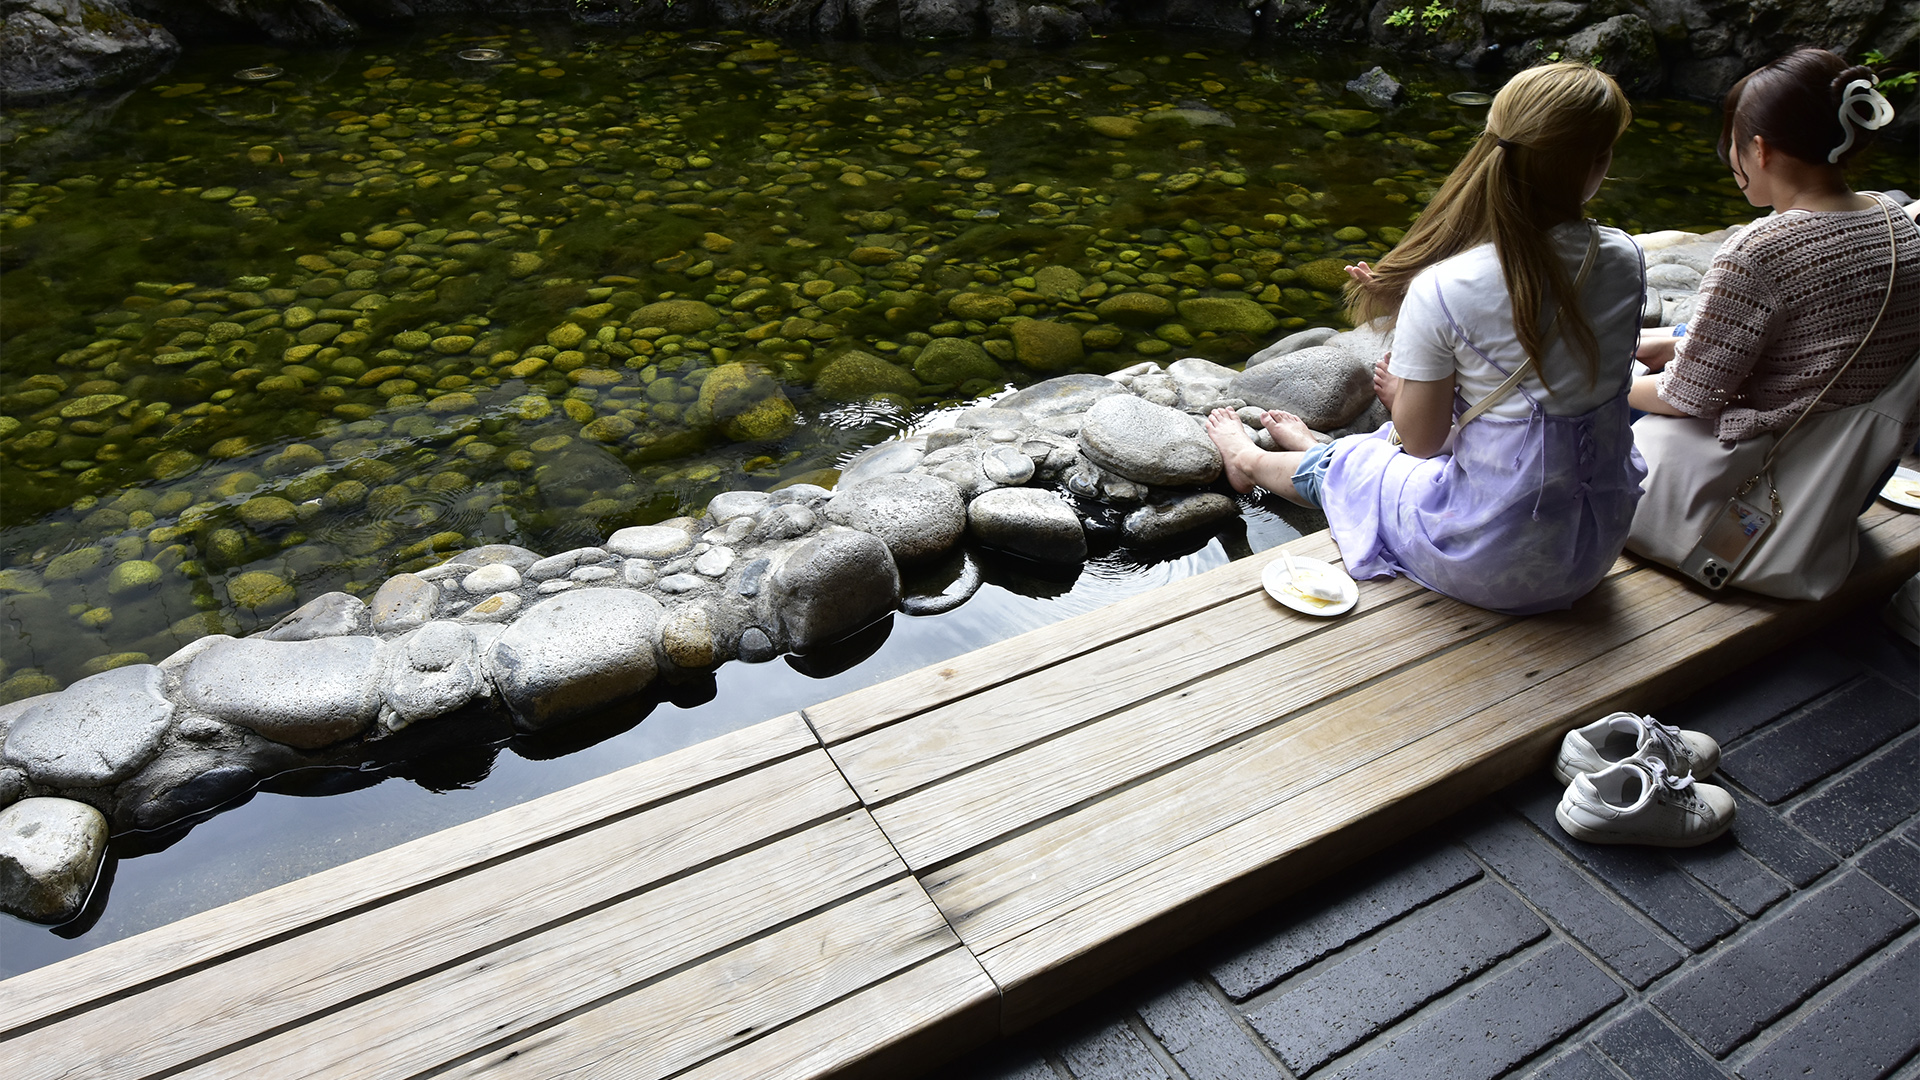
1895 865
1860 1033
1344 909
1788 956
1012 1059
1820 739
1874 798
1498 1023
1868 641
1201 1035
1111 1052
1645 876
1582 1064
1752 697
1646 1049
1385 977
1735 875
1634 950
1786 850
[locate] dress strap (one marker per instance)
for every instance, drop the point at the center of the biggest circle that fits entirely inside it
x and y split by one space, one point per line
1553 325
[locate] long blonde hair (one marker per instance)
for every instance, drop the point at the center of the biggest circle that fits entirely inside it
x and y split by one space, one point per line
1525 174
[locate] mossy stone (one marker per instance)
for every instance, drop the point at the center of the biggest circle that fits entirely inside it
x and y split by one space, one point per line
1116 127
27 684
1344 121
986 307
746 402
1135 308
954 361
266 512
771 418
566 336
1227 315
677 316
75 563
260 592
857 376
1328 275
132 576
1042 345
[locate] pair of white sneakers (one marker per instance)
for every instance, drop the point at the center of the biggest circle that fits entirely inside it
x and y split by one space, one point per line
1634 780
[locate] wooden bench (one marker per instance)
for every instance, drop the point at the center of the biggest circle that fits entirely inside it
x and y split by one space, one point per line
906 870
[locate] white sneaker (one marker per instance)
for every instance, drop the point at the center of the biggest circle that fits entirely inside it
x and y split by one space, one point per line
1622 735
1637 801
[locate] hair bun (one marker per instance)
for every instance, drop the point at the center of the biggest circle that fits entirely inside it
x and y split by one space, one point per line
1858 71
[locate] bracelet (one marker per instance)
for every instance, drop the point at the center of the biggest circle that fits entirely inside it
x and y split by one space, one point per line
1680 329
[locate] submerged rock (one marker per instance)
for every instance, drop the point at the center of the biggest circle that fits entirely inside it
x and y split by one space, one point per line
50 855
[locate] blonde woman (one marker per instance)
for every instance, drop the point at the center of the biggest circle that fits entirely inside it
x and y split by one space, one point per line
1507 478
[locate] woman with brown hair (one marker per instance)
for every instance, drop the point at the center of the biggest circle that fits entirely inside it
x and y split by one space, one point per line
1507 477
1809 311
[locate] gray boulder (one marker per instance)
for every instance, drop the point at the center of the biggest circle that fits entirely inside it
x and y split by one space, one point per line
498 555
1624 47
1028 521
1324 385
915 515
334 614
51 47
556 566
1294 342
574 652
95 733
430 672
1061 396
1158 523
830 585
650 542
50 853
882 459
728 505
1377 88
1148 443
307 694
403 602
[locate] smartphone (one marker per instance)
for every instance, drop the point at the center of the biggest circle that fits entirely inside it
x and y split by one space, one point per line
1727 542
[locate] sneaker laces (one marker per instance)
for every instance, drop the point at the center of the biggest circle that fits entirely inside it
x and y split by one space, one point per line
1668 783
1668 736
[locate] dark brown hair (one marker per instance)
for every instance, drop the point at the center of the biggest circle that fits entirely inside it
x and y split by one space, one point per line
1794 104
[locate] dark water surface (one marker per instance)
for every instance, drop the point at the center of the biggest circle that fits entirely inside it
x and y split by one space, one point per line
265 340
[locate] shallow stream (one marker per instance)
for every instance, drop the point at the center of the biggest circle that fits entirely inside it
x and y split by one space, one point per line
287 323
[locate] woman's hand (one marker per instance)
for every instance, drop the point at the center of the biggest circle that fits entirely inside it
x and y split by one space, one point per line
1656 347
1361 273
1422 412
1386 385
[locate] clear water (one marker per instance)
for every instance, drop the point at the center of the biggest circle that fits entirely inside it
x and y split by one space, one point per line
267 339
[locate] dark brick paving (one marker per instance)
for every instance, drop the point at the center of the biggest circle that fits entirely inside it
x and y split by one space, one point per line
1493 945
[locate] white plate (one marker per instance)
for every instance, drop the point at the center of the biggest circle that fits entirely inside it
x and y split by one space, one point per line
1903 489
1279 585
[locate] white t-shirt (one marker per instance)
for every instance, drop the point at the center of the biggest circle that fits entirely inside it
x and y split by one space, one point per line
1426 348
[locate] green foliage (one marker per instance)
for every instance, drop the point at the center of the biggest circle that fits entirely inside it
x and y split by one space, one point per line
1430 18
1312 19
1903 80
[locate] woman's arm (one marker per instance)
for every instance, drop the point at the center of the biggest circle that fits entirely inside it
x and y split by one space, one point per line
1644 395
1422 409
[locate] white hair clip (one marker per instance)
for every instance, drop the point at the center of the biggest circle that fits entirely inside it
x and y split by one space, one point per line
1859 93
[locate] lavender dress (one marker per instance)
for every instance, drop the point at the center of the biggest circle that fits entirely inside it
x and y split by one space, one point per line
1523 516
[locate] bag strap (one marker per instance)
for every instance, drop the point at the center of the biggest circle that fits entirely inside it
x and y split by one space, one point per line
1553 326
1766 466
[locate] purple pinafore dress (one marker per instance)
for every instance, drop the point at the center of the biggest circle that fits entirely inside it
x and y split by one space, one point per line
1522 516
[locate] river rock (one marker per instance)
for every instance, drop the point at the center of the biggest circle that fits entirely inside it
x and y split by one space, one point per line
649 542
55 47
1148 443
1323 385
95 733
498 577
915 515
50 854
430 672
1294 342
1136 309
951 361
1028 521
1377 88
686 637
1044 345
555 566
882 459
1158 523
307 694
1059 397
403 602
830 585
728 505
1006 466
498 555
574 652
1227 315
334 614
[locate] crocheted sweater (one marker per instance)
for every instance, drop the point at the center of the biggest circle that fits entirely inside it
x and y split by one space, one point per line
1785 303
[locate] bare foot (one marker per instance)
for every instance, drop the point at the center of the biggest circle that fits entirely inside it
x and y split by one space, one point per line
1289 431
1230 436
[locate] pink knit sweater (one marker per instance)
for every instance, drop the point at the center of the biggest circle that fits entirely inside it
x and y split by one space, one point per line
1786 301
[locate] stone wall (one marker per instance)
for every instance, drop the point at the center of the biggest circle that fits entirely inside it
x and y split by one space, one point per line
1693 48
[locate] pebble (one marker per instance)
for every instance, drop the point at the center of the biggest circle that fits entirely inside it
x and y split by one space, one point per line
498 577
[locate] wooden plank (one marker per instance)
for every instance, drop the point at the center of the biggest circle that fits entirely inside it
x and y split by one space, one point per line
1100 935
529 982
708 1010
294 977
914 1021
860 711
115 968
999 893
937 743
939 822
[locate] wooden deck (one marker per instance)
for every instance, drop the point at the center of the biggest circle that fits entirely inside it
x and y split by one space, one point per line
905 871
